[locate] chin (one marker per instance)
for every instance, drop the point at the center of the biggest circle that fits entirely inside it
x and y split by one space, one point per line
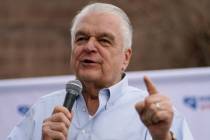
89 76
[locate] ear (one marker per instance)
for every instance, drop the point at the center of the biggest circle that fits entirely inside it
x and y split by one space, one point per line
127 57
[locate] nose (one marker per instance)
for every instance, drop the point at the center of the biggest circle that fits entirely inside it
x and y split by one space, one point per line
91 45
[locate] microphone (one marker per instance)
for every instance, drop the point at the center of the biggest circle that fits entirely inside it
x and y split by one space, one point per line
73 89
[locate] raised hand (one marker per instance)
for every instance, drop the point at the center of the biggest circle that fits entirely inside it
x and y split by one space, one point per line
156 112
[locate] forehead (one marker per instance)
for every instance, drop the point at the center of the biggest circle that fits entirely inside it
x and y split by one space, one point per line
99 22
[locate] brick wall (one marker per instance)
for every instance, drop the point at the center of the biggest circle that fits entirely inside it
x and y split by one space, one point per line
34 37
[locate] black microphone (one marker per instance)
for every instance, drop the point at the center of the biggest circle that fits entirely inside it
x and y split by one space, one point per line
73 89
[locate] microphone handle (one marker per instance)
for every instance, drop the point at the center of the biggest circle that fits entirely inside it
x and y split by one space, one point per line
69 100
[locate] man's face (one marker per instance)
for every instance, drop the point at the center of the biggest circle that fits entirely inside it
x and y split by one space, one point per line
97 53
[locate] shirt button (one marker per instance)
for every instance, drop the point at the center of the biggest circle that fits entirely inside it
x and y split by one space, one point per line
83 131
83 109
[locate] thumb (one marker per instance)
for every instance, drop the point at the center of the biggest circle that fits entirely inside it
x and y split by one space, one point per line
150 86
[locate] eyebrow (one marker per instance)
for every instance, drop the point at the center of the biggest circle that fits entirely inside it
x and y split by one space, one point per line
80 33
110 36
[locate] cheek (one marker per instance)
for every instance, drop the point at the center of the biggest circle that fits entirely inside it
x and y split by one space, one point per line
115 64
113 58
75 56
119 63
76 52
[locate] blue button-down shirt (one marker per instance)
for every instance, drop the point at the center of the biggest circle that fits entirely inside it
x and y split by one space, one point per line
115 119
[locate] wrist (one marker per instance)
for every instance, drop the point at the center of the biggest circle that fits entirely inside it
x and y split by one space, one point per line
170 136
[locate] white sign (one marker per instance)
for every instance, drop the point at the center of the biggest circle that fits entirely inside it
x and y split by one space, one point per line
189 90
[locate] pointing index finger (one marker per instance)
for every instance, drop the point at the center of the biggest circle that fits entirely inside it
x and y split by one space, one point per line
150 86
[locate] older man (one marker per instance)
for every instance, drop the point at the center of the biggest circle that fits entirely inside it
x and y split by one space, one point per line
108 108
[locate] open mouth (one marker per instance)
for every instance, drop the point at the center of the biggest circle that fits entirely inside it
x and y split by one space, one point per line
88 61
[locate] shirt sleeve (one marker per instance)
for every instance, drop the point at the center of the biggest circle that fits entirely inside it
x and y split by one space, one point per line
180 127
30 128
187 135
24 130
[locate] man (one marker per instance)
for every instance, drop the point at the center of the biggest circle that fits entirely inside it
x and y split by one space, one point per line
108 108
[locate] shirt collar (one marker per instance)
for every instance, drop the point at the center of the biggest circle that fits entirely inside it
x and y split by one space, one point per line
117 90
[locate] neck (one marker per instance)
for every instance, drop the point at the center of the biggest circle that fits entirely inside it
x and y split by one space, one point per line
91 91
90 94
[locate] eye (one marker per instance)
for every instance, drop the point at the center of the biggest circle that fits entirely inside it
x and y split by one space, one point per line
105 41
81 39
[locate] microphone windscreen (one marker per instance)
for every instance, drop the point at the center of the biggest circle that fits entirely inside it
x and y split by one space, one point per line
75 86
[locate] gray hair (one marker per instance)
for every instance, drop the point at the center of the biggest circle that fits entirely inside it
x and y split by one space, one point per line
126 27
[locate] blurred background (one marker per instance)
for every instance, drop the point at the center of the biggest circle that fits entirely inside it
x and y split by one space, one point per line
171 37
35 38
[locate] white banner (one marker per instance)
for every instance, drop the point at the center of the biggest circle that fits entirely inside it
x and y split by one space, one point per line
189 90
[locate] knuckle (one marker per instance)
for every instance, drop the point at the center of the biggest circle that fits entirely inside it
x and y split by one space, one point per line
46 120
61 116
63 126
147 100
45 125
61 136
57 109
64 129
45 129
156 114
154 108
68 124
